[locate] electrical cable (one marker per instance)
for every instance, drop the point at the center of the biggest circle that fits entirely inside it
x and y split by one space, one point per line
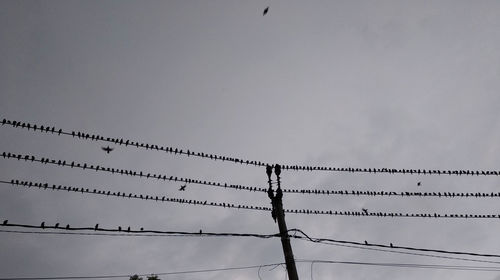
408 265
142 231
324 240
157 274
178 151
128 172
393 193
303 236
46 186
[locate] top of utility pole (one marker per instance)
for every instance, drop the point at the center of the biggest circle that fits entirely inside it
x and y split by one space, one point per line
279 215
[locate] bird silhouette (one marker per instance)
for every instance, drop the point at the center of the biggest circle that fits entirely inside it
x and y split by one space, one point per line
265 11
5 222
365 210
392 245
107 149
42 225
57 225
183 187
96 227
366 243
419 183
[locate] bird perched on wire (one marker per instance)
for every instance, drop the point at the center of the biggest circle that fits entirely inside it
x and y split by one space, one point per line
265 11
107 149
183 187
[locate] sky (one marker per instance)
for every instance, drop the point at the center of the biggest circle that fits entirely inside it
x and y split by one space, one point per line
369 84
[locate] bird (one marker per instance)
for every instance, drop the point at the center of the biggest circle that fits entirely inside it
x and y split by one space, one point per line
419 183
265 11
107 149
392 245
42 225
183 187
366 243
96 227
57 225
5 222
365 210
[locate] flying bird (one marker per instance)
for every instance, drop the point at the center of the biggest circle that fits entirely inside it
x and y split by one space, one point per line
365 210
265 11
419 183
107 149
183 187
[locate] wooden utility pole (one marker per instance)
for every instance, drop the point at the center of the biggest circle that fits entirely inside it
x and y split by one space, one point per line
279 215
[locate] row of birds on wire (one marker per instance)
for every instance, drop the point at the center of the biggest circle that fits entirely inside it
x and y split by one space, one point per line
250 188
53 187
127 172
363 213
187 152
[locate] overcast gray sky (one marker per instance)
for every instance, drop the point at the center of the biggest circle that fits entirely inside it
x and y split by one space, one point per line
400 84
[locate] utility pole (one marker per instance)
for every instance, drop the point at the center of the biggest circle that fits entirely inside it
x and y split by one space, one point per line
279 215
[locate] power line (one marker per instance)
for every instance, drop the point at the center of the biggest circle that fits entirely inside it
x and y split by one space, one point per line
326 240
157 274
133 173
98 233
128 142
46 186
385 264
391 214
189 153
198 235
142 232
364 247
393 193
408 265
247 188
119 229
